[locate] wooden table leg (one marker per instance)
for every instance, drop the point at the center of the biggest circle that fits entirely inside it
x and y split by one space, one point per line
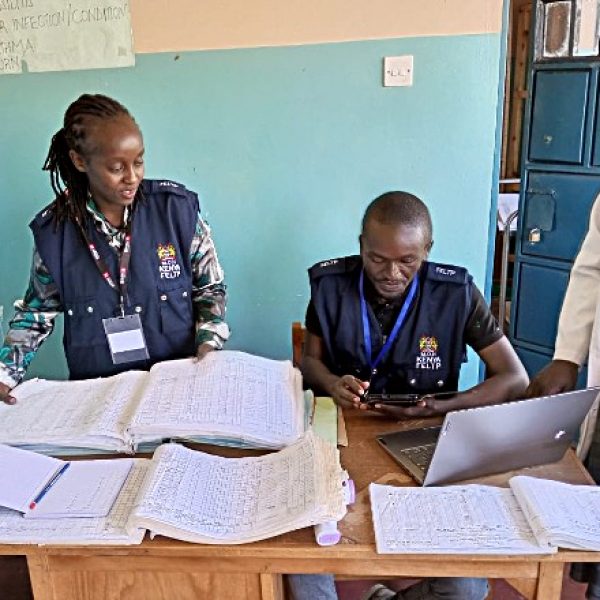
525 587
271 585
550 580
39 574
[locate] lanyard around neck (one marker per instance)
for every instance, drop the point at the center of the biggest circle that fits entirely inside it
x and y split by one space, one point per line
397 325
124 260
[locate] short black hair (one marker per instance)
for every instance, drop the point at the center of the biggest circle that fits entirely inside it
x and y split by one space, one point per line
399 208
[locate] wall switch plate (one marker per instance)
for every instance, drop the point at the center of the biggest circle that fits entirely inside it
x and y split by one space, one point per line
398 71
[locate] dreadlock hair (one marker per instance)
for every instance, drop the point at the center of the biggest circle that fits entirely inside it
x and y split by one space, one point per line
399 208
70 185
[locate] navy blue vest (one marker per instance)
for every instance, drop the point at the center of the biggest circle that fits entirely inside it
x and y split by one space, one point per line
430 348
160 280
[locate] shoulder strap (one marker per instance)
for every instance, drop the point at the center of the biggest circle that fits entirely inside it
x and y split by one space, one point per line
446 273
333 266
166 186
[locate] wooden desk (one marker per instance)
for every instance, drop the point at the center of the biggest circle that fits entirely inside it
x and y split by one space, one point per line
164 569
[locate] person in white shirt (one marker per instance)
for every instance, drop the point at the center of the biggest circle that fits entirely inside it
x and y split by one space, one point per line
578 339
578 335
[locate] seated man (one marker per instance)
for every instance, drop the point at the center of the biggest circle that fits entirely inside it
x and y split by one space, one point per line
389 321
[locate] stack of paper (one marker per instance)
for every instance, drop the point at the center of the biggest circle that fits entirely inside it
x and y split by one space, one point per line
325 419
231 398
113 529
203 498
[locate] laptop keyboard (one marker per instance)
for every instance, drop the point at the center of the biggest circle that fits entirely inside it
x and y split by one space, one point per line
420 455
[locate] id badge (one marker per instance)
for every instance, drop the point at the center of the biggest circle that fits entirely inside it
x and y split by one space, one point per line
126 339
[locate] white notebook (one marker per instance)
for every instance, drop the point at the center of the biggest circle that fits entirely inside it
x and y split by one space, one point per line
87 488
23 475
44 487
113 529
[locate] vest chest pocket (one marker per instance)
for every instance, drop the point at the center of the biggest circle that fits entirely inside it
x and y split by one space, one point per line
425 381
175 309
83 324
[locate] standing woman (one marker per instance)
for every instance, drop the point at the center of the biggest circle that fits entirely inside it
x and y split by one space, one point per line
130 261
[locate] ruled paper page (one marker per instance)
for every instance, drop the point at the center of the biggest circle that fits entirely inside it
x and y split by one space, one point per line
227 394
469 519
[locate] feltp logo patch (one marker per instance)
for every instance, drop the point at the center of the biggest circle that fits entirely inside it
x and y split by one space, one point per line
168 266
428 354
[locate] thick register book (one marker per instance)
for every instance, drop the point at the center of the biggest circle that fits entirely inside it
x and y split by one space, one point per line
534 516
198 497
229 397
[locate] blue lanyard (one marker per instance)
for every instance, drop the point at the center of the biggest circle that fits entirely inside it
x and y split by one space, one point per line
397 325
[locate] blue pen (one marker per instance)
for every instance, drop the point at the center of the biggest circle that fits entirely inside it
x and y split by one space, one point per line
48 486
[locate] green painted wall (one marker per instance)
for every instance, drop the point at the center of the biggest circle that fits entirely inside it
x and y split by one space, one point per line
286 147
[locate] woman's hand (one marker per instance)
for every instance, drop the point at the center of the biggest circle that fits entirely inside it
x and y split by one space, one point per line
203 350
5 395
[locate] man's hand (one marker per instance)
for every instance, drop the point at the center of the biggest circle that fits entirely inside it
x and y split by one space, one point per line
203 350
349 389
427 406
557 377
5 395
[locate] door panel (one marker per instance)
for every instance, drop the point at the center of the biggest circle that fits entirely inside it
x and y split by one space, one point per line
540 294
534 362
556 213
558 116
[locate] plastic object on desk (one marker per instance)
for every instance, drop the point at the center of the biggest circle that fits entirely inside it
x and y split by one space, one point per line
328 534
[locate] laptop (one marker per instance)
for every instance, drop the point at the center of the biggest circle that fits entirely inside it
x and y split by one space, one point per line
491 439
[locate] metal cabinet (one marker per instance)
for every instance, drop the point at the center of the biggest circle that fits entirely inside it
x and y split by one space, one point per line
560 180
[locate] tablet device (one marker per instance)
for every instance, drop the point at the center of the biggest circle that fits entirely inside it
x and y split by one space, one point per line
403 399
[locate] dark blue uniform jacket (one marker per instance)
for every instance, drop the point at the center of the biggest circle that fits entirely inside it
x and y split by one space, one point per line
430 348
160 280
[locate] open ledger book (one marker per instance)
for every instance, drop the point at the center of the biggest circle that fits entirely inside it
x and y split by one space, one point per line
229 397
194 496
534 516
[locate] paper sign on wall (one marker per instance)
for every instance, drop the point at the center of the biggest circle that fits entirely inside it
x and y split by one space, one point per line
54 35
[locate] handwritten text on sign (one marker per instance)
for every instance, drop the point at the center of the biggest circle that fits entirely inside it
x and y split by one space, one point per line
54 35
